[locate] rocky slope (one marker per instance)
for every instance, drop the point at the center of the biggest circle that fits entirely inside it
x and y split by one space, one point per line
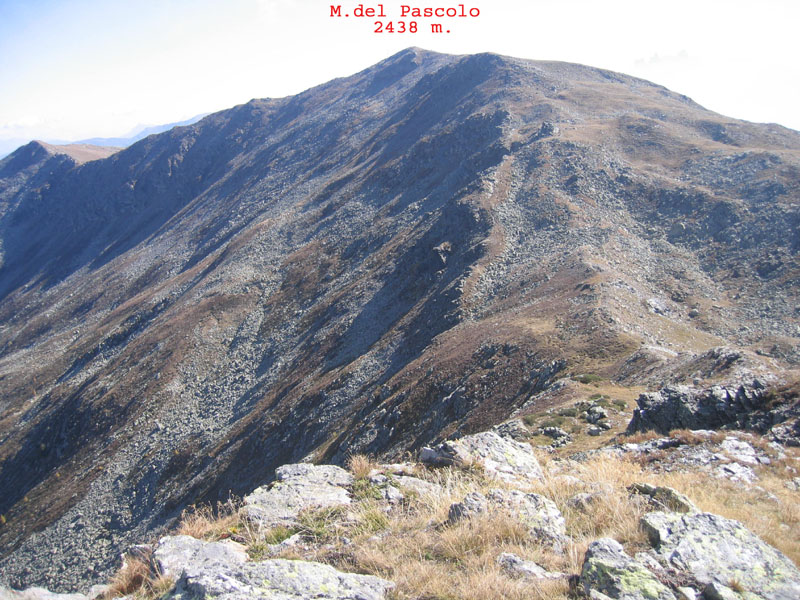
376 264
484 519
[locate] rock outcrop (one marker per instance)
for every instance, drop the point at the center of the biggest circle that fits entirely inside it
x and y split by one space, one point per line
503 458
298 487
609 570
722 555
203 570
742 407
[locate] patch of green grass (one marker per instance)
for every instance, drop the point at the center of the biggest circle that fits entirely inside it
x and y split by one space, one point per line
620 404
587 378
278 534
571 411
554 422
363 489
258 551
530 420
371 519
320 524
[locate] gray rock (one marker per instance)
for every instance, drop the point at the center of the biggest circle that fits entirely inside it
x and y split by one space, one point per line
391 494
736 472
416 485
516 430
554 432
666 498
596 414
739 451
526 569
594 430
503 458
715 550
684 407
584 501
607 569
446 454
278 579
539 514
473 504
297 487
687 593
37 593
97 591
176 553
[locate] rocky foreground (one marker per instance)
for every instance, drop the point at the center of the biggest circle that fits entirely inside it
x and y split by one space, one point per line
487 515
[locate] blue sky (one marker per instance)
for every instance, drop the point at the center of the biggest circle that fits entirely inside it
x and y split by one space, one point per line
75 69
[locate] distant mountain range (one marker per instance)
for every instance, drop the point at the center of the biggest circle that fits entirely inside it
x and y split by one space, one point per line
414 252
138 133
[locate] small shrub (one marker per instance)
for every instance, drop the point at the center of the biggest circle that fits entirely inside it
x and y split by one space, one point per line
554 422
258 551
205 523
530 420
572 411
736 586
371 519
363 489
277 534
136 580
360 466
320 524
587 378
620 404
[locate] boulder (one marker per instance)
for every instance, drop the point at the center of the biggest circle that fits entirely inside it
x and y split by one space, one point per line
736 472
740 451
503 458
717 551
516 430
553 432
684 407
175 553
416 485
473 504
515 566
584 501
665 498
297 487
539 514
595 414
277 579
609 571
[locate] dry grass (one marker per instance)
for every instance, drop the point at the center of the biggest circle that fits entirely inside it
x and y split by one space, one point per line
691 438
412 544
205 522
136 580
360 466
639 438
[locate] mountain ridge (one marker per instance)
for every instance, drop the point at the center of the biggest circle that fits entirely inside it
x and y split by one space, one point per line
380 262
